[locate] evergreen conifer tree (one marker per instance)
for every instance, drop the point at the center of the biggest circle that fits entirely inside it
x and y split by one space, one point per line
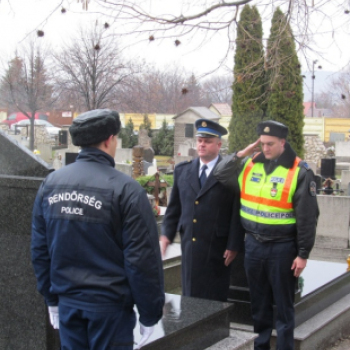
127 135
146 125
248 86
285 86
163 142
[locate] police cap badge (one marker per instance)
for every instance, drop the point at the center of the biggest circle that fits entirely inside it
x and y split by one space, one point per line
209 128
272 128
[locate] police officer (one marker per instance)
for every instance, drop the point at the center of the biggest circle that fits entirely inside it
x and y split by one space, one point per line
279 213
95 247
207 216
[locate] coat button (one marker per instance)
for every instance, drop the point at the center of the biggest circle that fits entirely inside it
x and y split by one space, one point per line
193 239
194 220
196 202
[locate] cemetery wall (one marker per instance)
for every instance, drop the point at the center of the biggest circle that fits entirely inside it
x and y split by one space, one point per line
314 126
314 149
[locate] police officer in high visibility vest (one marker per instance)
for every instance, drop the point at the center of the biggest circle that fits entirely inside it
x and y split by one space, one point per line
279 213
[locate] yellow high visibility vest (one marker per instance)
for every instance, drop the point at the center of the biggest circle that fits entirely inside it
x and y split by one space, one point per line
267 199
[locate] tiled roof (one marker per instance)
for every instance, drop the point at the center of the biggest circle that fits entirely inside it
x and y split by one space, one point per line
224 109
202 112
318 112
307 107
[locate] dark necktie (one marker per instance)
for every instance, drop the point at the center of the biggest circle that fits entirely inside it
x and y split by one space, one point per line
203 176
270 167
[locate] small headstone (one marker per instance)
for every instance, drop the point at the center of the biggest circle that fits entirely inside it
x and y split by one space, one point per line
345 179
146 165
151 170
71 157
148 155
57 162
319 185
119 143
124 168
328 168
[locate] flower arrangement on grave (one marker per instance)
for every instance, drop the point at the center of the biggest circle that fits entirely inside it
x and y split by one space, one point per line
156 210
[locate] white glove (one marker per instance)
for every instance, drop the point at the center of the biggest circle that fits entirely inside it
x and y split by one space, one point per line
54 317
146 333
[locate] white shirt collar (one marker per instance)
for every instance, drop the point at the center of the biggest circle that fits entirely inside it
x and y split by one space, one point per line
210 165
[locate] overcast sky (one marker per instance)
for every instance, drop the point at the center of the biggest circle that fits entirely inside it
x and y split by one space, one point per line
18 18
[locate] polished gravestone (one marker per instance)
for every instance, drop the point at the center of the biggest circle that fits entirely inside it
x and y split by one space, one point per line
23 318
188 324
321 284
17 160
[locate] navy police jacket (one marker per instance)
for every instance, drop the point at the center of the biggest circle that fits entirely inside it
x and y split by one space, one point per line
208 221
95 241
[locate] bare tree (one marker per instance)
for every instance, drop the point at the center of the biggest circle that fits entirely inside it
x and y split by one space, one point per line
25 85
324 100
218 89
157 21
90 70
339 93
157 91
195 25
144 92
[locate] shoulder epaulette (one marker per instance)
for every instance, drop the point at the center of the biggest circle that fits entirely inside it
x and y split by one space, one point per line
304 165
184 163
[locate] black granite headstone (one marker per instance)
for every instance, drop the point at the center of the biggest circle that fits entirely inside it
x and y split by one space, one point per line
148 155
71 157
23 314
63 137
328 168
239 292
188 324
318 180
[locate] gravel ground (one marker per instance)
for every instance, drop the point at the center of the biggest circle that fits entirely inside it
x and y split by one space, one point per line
342 344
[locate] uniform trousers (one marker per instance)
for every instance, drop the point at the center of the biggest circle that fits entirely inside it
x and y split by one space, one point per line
271 282
94 330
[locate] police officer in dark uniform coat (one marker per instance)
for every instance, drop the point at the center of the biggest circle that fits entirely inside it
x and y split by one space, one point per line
279 213
95 247
207 218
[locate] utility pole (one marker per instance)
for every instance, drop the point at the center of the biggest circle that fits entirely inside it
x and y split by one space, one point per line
312 88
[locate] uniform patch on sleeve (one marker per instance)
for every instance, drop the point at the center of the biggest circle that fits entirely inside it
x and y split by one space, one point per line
305 165
312 189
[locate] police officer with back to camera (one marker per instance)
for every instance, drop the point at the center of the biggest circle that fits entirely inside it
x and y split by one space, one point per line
95 247
279 213
206 214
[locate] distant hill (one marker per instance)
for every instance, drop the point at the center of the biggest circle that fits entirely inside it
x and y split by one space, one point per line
321 84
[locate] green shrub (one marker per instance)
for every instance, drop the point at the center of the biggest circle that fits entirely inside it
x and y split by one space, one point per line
143 180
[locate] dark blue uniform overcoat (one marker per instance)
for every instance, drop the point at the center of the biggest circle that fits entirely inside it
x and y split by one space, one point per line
208 221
